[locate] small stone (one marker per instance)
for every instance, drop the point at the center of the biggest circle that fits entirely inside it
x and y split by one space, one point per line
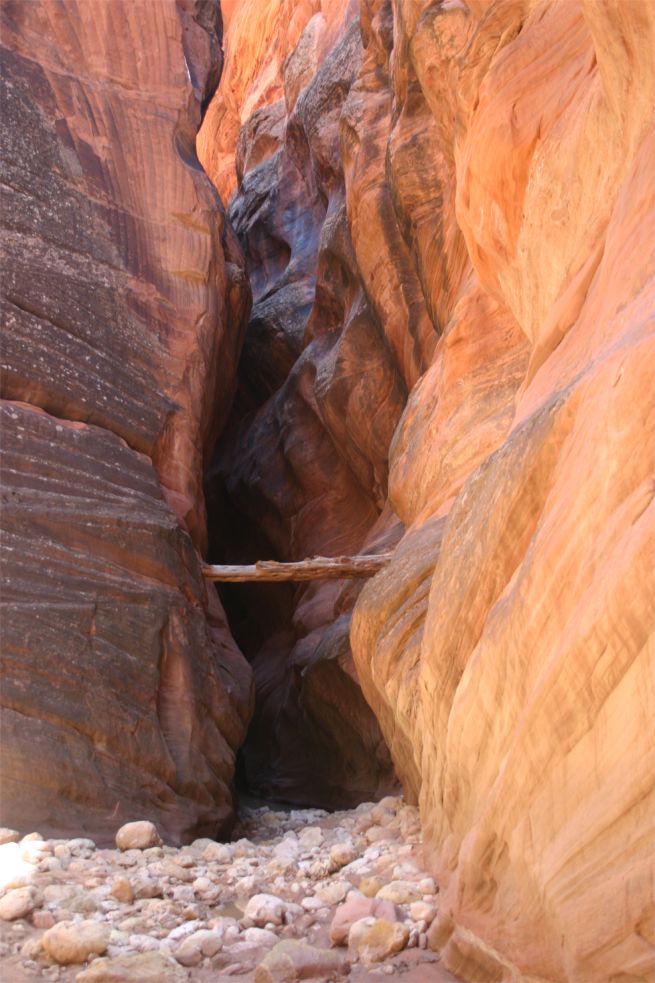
217 852
143 943
138 836
260 936
342 854
198 946
186 860
70 898
202 884
311 904
201 843
264 908
377 941
291 960
320 868
184 930
121 889
355 907
369 886
376 833
50 863
184 894
420 911
287 849
400 892
42 919
311 836
8 835
34 851
75 942
177 873
333 892
19 903
242 848
246 886
147 888
146 967
81 844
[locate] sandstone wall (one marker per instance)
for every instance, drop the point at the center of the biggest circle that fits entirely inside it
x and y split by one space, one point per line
303 463
124 299
452 335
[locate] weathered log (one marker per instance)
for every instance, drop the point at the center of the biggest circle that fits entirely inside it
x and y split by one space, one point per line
314 568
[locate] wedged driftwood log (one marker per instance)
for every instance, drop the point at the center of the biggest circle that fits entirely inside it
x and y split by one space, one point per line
314 568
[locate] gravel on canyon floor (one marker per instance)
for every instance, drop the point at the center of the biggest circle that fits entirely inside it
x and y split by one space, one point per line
297 895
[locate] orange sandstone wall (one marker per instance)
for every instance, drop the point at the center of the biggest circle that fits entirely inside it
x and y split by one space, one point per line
513 672
487 189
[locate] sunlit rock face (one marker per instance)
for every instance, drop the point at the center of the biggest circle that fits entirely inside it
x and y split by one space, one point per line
452 341
124 307
512 674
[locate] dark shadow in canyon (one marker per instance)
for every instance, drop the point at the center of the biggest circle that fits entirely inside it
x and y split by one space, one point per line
300 468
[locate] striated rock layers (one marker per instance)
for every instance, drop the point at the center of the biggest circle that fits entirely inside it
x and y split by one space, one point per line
447 213
124 694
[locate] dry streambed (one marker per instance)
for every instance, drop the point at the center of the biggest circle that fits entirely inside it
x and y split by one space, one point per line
300 895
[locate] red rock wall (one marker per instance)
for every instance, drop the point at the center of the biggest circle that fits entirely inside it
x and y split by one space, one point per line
467 220
124 300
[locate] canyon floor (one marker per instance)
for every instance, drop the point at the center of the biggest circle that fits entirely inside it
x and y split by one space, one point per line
301 894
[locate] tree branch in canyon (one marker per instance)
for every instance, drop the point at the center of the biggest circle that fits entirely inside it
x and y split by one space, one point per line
314 568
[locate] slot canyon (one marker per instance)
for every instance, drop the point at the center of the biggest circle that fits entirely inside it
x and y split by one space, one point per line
296 278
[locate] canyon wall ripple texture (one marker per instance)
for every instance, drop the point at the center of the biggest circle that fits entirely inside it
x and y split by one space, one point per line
480 186
123 299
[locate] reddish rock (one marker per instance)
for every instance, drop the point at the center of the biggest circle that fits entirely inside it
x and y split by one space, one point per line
355 908
480 183
106 634
124 295
118 290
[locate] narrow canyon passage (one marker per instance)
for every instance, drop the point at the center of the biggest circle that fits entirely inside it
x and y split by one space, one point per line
286 278
300 469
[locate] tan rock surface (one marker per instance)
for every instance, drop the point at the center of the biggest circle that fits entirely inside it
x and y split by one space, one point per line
491 197
138 835
145 967
76 942
524 736
291 960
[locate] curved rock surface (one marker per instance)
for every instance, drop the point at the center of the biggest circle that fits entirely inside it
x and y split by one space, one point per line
301 461
448 230
124 297
446 213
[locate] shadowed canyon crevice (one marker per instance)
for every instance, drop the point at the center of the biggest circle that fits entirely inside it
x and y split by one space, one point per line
421 322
